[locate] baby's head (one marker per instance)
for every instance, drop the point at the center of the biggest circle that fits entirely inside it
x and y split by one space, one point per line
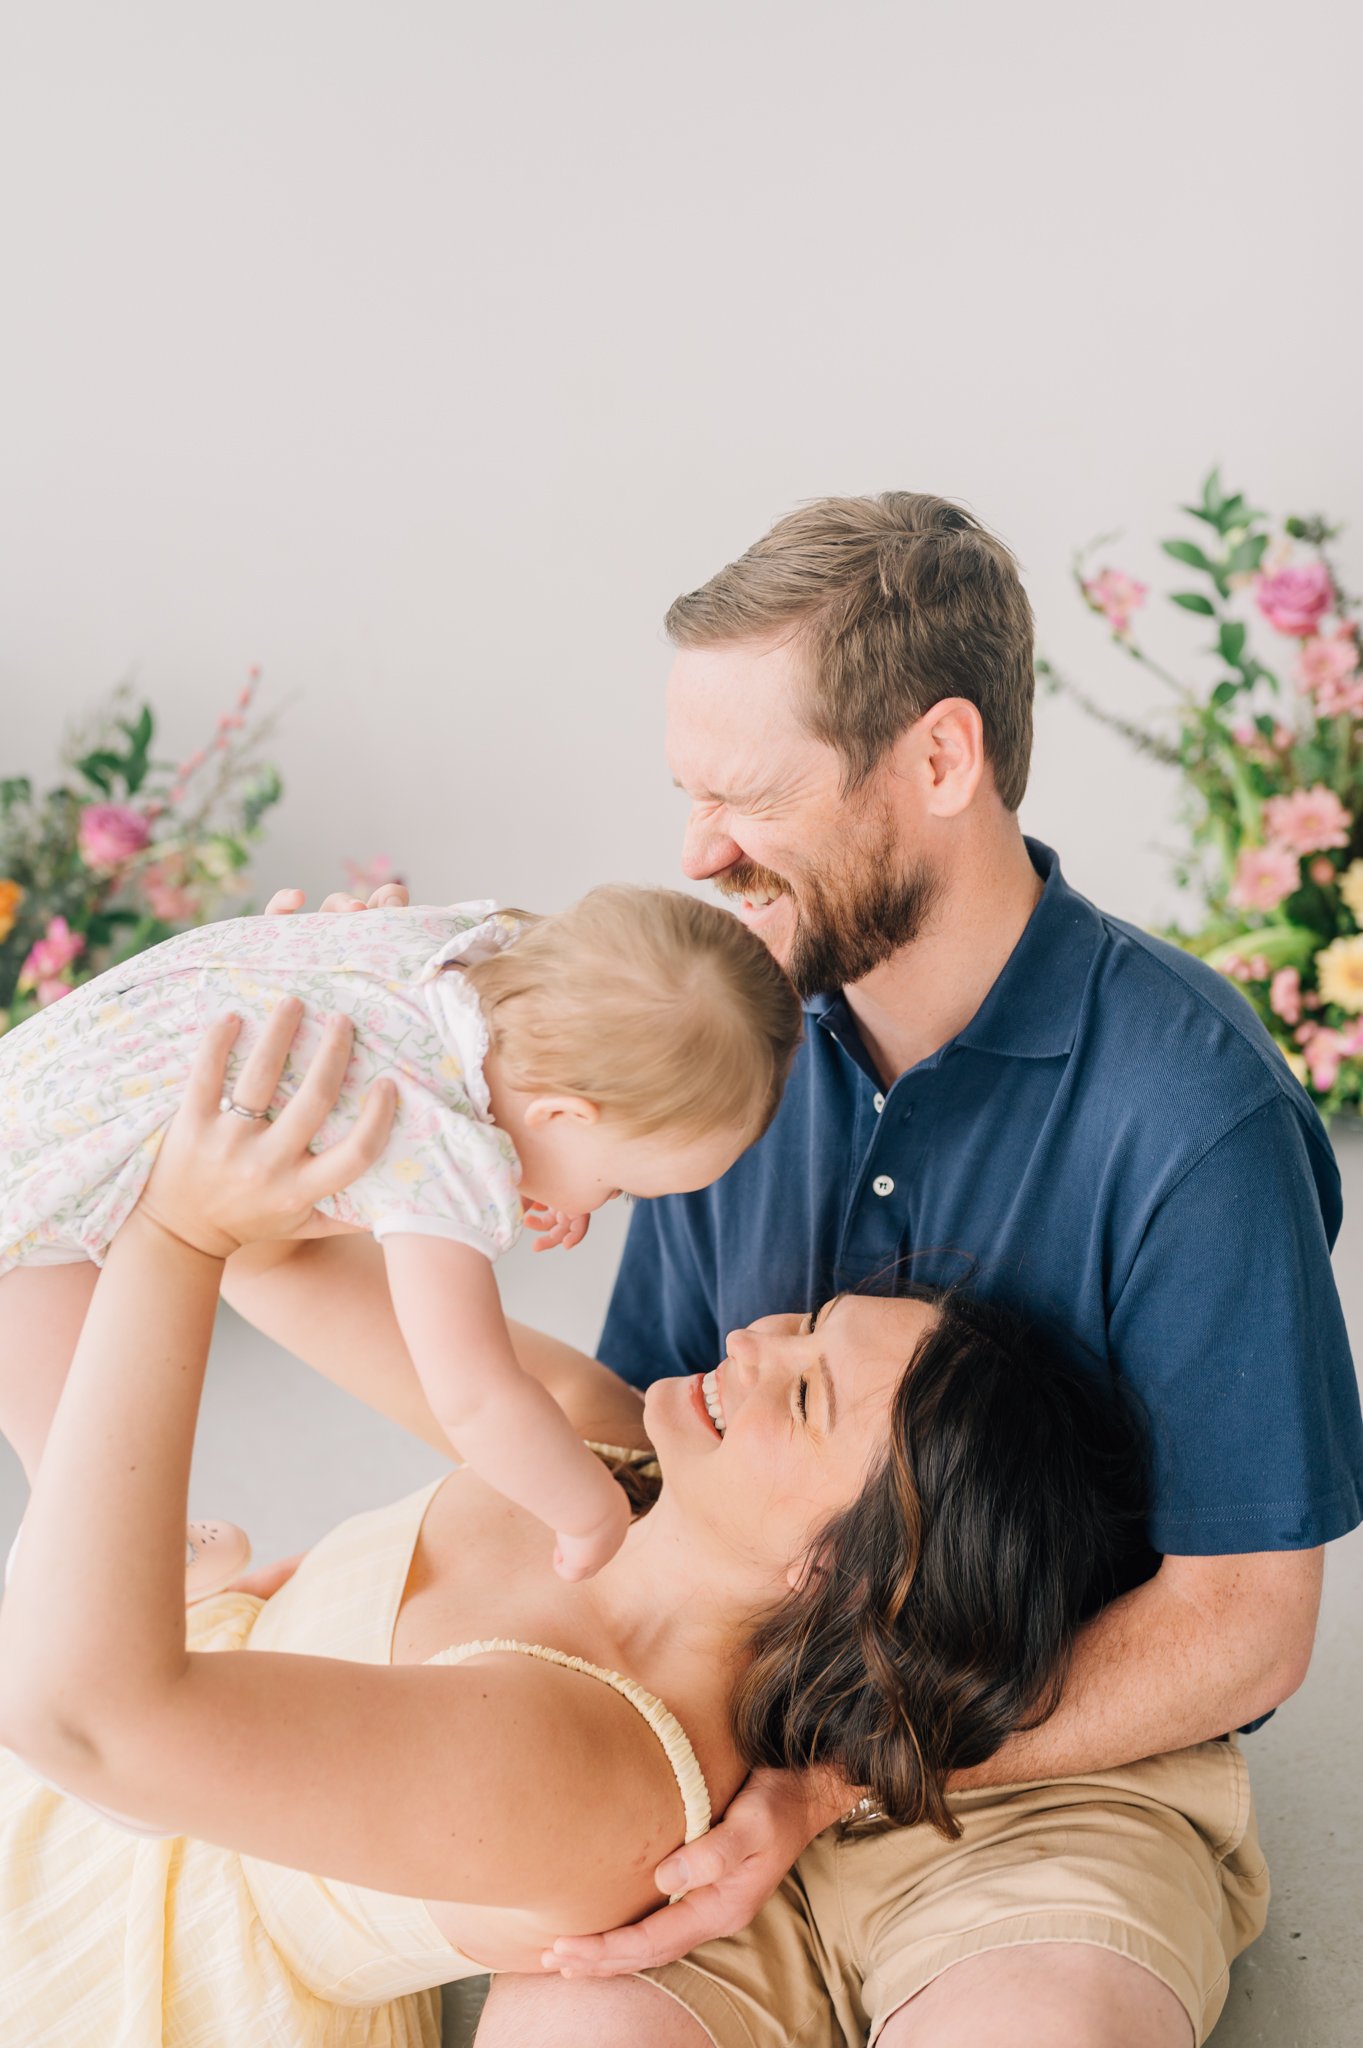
638 1042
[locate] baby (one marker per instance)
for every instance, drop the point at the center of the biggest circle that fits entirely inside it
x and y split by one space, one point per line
636 1043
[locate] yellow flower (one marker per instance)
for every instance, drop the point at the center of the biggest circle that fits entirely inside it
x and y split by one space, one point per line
1297 1064
450 1070
137 1084
1339 973
11 896
1351 889
408 1169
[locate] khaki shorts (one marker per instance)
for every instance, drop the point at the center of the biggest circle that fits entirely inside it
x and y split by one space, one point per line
1159 1861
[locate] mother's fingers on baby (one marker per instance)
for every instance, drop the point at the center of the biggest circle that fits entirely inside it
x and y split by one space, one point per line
283 902
208 1069
254 1085
315 1096
326 1173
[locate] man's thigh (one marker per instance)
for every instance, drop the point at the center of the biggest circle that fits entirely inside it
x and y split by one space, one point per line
1155 1869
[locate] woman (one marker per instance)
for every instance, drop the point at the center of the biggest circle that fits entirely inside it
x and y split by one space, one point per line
425 1715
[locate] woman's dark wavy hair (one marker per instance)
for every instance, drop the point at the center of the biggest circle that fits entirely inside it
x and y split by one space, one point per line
941 1607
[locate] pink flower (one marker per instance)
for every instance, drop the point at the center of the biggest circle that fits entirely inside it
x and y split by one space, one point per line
1264 875
1244 732
110 835
1284 995
1283 738
1293 600
1116 595
1307 821
1328 671
167 897
51 955
51 991
1322 870
365 876
1323 1053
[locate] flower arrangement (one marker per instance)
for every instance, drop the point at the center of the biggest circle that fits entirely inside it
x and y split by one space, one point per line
126 850
1272 762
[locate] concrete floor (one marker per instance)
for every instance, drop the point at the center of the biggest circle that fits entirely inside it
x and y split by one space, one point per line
288 1456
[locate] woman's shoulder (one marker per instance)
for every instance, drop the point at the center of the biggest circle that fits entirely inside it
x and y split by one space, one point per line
583 1801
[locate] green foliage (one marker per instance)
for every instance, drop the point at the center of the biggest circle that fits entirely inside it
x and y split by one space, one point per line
199 821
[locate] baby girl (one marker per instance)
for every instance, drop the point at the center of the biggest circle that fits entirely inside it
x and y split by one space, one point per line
635 1043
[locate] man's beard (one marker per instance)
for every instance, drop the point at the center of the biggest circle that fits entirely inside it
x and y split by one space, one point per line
849 919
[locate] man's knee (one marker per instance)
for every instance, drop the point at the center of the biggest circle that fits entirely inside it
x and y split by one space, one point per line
585 2012
1043 1995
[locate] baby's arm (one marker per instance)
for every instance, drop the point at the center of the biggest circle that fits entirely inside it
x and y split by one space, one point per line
501 1422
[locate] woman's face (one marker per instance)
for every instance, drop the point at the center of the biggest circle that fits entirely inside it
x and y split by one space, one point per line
780 1436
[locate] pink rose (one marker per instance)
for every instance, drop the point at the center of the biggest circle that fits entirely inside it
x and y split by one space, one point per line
1307 821
1116 595
1293 600
1284 995
51 955
110 835
1264 875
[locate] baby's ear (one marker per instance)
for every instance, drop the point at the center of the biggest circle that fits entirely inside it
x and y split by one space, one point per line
542 1110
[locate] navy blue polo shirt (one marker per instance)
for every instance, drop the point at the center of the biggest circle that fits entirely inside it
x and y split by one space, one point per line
1112 1142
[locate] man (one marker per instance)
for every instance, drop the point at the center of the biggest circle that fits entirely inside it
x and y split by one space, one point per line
997 1080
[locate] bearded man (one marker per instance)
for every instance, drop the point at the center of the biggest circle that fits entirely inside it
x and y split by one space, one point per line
998 1079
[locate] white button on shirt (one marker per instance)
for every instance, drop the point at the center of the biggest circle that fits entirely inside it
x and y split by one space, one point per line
882 1184
879 1103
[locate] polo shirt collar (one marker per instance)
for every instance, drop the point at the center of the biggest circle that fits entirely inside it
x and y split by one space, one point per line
1032 1010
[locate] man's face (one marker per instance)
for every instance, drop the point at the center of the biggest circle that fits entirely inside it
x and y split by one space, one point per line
832 883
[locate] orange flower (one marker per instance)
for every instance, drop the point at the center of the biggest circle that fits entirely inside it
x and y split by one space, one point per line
11 896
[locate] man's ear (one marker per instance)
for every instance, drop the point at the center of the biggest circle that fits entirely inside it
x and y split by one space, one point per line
943 753
542 1110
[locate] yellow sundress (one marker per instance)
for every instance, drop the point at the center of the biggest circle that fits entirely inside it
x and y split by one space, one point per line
113 1940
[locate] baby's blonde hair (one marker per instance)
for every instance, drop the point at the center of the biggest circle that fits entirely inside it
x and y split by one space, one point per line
665 1012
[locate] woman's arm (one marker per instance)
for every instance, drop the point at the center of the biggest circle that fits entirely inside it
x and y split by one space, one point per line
475 1782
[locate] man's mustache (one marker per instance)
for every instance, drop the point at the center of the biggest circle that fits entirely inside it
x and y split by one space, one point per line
745 878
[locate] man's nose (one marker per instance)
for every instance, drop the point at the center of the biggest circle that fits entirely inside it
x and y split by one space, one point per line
707 849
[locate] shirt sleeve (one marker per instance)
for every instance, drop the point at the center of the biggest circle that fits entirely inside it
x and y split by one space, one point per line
443 1173
1229 1329
661 1321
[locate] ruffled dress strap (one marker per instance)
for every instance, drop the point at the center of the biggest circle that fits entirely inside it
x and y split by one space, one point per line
675 1742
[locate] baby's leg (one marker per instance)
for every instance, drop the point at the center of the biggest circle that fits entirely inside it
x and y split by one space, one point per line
42 1309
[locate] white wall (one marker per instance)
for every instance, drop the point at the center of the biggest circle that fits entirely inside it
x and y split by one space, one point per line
423 353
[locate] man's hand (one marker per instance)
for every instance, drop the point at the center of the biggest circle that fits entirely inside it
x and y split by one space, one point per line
285 901
727 1877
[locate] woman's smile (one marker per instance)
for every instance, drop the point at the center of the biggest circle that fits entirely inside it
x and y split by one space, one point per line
706 1402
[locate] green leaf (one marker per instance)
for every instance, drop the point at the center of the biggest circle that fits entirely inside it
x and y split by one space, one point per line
1226 692
1211 491
1187 551
1196 512
1247 554
1193 601
1230 641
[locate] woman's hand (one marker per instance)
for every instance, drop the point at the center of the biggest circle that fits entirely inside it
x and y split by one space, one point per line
223 1180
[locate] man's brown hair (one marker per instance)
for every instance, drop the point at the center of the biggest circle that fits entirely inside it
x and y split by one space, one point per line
896 601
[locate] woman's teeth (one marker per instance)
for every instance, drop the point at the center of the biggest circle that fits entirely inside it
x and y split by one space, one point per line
709 1388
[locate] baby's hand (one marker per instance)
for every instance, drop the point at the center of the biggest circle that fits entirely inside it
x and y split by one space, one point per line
554 1226
580 1557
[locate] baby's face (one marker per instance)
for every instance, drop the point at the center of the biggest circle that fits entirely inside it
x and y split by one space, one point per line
594 1162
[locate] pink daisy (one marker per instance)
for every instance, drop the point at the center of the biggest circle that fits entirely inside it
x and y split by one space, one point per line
1307 821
